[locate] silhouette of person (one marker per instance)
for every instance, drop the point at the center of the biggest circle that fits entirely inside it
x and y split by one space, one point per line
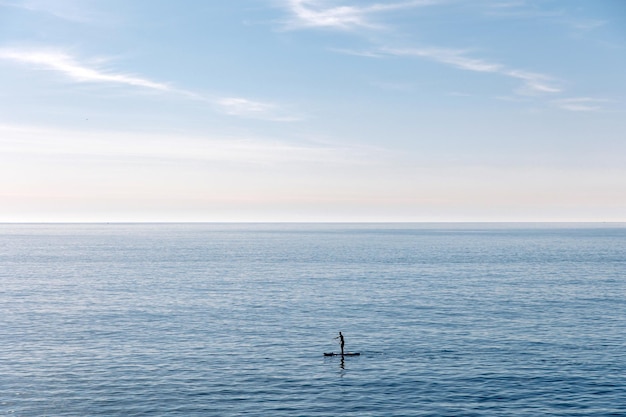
342 342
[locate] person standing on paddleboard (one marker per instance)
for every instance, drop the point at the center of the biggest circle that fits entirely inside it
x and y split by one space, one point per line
341 341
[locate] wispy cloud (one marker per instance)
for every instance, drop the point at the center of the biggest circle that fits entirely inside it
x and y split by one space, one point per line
84 72
364 53
324 14
244 107
392 86
580 104
69 66
238 105
455 57
533 83
321 14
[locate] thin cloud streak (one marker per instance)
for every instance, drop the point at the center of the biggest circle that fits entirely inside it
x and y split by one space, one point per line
454 57
317 14
67 65
533 83
243 107
314 14
580 104
74 69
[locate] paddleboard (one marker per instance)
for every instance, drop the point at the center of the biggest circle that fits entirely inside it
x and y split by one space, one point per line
342 354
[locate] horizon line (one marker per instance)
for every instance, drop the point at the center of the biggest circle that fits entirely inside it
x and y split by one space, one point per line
102 222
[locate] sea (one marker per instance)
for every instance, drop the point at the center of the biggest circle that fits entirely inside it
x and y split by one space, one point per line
458 319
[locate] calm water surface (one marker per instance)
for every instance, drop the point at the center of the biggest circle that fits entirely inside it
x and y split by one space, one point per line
232 320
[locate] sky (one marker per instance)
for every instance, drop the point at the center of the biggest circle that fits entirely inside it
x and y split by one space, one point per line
312 110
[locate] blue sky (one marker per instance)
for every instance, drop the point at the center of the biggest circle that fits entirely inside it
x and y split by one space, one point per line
312 110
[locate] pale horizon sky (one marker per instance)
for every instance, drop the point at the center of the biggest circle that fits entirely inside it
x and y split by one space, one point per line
312 110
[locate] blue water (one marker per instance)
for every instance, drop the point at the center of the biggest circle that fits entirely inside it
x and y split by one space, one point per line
232 320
